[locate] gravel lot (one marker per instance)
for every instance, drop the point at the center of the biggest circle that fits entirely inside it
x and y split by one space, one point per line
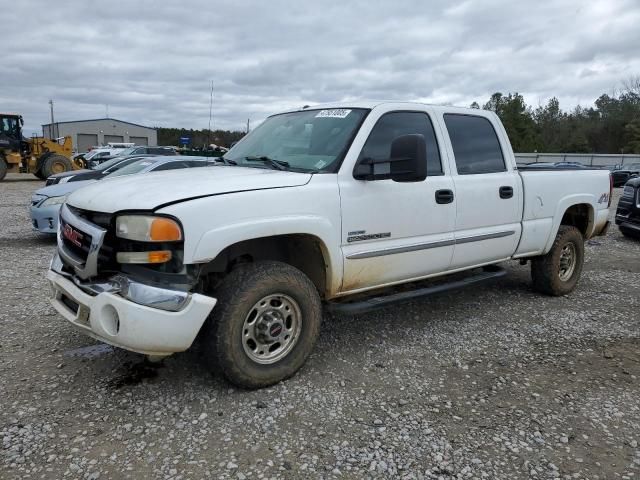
493 382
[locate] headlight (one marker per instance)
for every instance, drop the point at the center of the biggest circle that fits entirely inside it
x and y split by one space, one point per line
55 201
146 228
66 179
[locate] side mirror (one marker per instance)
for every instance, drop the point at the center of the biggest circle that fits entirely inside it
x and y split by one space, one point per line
407 162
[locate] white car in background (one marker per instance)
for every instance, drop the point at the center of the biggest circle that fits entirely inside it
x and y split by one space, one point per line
46 202
99 154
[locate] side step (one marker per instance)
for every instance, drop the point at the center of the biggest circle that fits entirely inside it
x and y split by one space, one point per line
374 303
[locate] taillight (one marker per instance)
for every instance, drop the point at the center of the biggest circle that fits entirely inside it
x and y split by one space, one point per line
610 189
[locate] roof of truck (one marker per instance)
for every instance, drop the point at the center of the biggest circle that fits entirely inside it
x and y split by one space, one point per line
370 104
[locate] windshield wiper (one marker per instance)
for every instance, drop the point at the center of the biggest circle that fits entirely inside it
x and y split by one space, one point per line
276 164
226 161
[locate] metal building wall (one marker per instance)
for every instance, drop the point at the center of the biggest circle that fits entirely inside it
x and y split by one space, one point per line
102 128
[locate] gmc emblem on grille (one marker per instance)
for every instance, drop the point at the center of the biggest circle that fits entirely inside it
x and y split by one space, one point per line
72 235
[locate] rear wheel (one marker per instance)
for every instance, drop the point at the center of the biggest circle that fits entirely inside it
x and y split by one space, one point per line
264 325
55 164
557 272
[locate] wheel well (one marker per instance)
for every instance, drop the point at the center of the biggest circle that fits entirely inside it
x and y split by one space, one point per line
579 216
305 252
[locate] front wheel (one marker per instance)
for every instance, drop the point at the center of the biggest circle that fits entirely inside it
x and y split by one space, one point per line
264 325
55 164
557 272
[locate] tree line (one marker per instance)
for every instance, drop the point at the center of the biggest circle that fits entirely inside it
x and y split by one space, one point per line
198 138
611 125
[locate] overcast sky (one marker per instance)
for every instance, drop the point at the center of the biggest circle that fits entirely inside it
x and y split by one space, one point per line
152 61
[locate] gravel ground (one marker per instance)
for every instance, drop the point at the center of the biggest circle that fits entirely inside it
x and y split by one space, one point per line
493 382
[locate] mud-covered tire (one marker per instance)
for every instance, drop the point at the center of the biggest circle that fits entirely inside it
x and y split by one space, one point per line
3 168
38 173
55 164
550 273
224 341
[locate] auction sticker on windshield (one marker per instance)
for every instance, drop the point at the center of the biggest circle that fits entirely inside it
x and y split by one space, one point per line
335 113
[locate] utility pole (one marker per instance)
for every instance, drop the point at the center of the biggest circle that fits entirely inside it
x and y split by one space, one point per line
51 131
248 119
210 115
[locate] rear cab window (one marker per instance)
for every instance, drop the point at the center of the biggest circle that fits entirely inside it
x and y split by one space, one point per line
475 144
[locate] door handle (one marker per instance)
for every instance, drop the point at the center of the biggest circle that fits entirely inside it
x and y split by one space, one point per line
506 192
444 196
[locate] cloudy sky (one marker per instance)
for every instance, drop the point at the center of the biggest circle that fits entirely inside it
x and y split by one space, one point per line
152 61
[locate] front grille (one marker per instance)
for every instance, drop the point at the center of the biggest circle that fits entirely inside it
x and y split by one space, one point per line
106 255
81 251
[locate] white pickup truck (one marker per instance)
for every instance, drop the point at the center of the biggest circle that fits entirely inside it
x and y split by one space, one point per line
312 207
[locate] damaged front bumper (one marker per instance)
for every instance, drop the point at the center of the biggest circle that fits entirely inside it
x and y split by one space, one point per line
129 314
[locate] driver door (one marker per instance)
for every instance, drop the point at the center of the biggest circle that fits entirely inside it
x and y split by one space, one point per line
396 231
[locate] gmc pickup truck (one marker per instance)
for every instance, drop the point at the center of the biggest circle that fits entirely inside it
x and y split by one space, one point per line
320 207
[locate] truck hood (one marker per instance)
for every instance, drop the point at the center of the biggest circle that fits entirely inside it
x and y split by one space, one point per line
152 190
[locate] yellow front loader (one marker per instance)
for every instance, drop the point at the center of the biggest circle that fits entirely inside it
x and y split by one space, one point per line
38 155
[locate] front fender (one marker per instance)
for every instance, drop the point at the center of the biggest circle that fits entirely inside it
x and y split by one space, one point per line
215 240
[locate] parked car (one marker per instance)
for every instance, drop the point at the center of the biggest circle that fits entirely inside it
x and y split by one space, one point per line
547 165
101 170
624 173
145 150
46 202
571 165
628 213
317 206
140 150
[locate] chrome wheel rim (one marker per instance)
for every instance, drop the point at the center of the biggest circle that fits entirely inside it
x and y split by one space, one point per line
567 262
271 328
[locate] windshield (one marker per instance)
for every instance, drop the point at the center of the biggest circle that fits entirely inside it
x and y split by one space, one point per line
9 126
135 167
308 141
126 151
107 164
92 154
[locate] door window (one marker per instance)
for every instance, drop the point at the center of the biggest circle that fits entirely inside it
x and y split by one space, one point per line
395 124
475 144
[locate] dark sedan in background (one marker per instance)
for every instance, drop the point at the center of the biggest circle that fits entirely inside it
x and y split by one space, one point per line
628 213
624 173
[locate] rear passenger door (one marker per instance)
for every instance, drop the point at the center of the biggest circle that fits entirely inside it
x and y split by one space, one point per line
488 192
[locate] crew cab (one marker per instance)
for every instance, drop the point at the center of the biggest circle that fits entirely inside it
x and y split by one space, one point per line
318 207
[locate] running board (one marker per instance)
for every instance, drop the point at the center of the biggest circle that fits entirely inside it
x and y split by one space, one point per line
374 303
